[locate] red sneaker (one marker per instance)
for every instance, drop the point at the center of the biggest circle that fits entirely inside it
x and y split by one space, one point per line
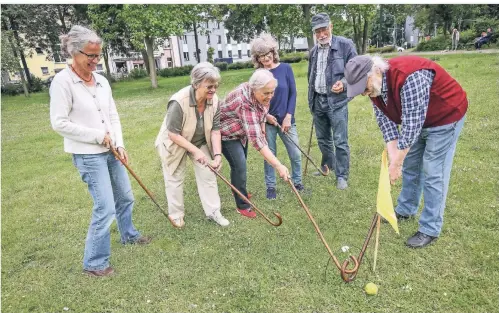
247 212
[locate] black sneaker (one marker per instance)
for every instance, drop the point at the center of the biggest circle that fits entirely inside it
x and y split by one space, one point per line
299 187
420 240
400 218
271 193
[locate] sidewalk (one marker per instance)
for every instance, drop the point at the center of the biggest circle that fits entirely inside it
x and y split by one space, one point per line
446 52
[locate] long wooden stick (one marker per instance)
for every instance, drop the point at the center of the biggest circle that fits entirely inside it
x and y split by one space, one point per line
378 226
308 150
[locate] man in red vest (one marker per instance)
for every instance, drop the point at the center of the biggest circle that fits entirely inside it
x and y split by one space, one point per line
430 106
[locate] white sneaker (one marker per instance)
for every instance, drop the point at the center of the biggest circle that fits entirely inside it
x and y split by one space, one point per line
177 222
219 219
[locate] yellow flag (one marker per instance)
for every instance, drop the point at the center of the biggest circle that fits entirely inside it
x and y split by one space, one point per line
384 205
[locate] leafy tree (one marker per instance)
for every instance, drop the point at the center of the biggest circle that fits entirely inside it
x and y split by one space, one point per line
197 15
210 53
244 21
149 22
109 23
361 16
10 59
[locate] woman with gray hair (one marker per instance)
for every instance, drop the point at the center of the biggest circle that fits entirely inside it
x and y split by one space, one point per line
191 129
83 111
242 118
280 119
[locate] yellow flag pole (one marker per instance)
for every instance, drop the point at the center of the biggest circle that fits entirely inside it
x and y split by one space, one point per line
378 226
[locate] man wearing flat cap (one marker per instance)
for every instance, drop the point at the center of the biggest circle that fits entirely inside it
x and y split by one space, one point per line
430 106
327 97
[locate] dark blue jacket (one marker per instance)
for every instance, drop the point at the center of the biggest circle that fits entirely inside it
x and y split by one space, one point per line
342 50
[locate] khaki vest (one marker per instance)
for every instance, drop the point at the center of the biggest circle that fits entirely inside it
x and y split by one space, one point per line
173 153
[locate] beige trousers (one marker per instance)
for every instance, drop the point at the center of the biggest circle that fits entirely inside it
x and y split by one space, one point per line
174 186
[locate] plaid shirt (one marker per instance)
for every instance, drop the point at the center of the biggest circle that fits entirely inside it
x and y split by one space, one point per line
320 77
240 117
415 97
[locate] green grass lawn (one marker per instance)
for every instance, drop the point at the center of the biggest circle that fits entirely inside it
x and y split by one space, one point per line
250 266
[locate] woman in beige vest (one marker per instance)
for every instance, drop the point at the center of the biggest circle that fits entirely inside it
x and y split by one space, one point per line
191 129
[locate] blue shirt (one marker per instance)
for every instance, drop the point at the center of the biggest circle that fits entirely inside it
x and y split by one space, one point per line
284 100
415 97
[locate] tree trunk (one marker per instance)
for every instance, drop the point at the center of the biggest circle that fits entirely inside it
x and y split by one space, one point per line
13 25
14 51
356 33
106 61
146 61
364 36
61 18
306 16
152 66
292 42
195 27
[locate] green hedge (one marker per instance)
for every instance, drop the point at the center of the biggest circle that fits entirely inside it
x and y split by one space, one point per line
137 73
435 44
387 49
176 71
37 85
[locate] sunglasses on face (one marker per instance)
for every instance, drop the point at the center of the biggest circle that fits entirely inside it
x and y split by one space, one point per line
91 57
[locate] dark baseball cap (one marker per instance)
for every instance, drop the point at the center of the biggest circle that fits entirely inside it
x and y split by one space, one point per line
356 74
320 20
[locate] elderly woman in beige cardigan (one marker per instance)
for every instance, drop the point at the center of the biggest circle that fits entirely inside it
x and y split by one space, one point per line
191 129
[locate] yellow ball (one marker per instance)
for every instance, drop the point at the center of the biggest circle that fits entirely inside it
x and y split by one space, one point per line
371 289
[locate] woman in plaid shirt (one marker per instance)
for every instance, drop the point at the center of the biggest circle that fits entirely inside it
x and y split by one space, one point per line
242 118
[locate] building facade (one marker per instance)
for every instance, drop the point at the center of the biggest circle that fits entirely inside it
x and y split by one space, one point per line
212 34
171 52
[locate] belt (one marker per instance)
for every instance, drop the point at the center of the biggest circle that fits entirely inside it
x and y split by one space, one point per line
321 94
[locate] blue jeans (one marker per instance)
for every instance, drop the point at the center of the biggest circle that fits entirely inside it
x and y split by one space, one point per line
111 191
293 153
426 170
236 154
331 128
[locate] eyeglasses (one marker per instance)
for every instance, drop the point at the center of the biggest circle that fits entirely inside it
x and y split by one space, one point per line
212 87
266 55
92 56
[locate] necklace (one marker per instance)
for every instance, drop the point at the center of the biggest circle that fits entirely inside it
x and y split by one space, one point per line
85 80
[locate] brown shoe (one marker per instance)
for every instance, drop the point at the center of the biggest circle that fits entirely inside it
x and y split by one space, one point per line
100 273
143 240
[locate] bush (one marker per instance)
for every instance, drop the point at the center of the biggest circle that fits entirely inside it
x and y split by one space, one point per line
12 89
137 73
466 37
37 84
294 57
176 71
386 49
222 66
249 64
435 44
109 78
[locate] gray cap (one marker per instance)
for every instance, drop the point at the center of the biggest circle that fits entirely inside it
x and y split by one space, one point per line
320 20
356 74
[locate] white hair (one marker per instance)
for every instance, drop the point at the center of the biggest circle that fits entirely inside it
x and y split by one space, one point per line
378 63
77 38
202 71
260 78
264 44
